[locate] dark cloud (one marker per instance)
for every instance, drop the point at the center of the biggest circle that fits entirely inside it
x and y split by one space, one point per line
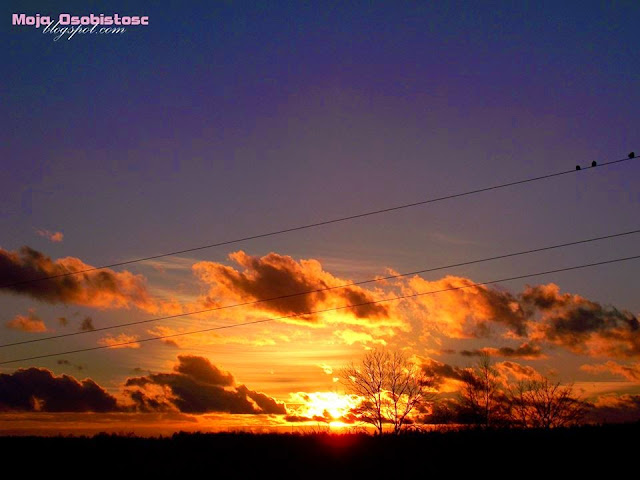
615 409
277 275
505 309
202 370
197 386
103 288
68 363
441 372
473 353
38 389
87 325
526 351
583 326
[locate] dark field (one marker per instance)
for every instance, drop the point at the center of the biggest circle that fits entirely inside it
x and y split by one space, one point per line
588 450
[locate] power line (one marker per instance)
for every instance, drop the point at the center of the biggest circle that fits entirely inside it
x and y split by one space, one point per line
318 224
308 292
234 325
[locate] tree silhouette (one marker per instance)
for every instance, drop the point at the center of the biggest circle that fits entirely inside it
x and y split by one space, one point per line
541 403
390 387
480 397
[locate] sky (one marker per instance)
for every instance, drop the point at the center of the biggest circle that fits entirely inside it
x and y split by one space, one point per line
226 120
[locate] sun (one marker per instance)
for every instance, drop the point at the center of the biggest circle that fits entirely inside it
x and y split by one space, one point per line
323 404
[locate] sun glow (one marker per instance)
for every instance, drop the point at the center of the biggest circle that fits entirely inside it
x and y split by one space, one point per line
329 405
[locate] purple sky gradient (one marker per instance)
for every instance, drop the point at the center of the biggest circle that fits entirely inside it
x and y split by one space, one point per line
226 120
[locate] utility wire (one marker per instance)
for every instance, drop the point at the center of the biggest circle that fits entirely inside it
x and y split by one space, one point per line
318 224
362 282
390 299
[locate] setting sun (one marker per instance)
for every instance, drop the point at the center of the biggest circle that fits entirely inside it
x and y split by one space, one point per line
329 405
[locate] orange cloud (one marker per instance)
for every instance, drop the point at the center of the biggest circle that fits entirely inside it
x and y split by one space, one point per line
539 315
55 237
630 372
449 378
458 312
350 337
114 342
254 337
581 325
27 323
100 288
276 276
515 371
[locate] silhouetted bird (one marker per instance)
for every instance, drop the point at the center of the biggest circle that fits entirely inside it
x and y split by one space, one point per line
632 154
577 167
594 164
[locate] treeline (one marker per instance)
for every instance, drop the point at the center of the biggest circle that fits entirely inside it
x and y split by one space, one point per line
491 451
487 399
398 395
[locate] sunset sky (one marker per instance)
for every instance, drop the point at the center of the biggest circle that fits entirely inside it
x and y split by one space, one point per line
234 119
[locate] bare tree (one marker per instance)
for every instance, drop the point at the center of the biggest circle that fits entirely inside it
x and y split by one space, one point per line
541 403
390 387
480 396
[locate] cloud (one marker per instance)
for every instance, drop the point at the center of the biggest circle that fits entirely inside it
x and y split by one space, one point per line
194 386
525 351
87 325
55 237
514 371
181 339
630 372
457 309
67 362
198 386
539 315
102 289
581 325
616 409
328 369
275 275
446 378
38 389
27 323
202 370
350 337
115 342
